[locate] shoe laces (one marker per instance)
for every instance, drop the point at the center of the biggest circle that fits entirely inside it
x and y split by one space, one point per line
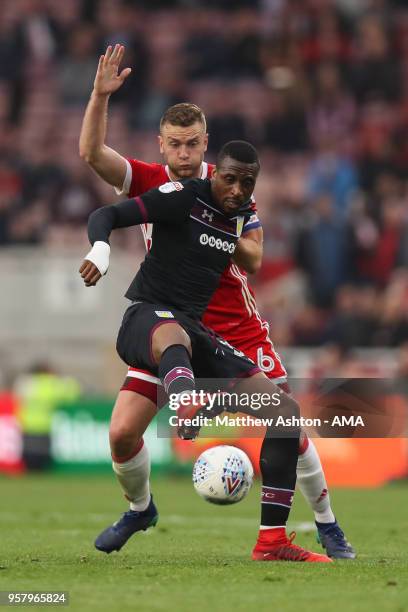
131 514
125 518
336 534
292 551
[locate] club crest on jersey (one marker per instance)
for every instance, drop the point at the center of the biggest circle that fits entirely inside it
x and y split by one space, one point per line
164 314
169 187
207 215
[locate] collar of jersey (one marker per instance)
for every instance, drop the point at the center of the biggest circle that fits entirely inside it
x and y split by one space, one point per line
203 175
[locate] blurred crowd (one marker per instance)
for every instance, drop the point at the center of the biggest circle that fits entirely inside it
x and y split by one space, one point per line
319 86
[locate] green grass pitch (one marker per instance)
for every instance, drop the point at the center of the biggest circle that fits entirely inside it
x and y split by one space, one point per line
198 556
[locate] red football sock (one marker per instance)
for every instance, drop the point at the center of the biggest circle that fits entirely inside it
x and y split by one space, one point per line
266 537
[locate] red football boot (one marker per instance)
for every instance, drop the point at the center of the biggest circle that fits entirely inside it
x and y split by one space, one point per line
279 547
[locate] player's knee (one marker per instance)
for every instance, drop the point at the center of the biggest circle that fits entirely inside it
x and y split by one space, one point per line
290 411
122 440
166 336
291 407
287 414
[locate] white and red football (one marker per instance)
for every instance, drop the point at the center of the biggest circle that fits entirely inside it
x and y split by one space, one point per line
223 475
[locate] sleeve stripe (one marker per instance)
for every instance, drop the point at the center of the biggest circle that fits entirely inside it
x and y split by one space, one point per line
142 208
251 226
127 181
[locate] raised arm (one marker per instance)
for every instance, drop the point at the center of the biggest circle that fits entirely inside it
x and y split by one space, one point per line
106 162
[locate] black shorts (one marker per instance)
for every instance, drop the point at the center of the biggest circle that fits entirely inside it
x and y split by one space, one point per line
212 356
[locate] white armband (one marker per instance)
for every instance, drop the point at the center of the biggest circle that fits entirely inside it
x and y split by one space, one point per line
99 256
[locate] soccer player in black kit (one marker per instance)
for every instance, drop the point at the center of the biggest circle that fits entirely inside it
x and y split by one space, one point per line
196 227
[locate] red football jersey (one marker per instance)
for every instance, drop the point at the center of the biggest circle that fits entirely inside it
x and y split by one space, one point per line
232 310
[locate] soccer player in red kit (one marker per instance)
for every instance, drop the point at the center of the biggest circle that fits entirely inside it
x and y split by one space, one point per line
232 312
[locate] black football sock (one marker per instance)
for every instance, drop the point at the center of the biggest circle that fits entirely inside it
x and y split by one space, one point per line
278 468
175 370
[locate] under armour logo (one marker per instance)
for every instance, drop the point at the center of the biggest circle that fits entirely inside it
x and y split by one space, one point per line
208 215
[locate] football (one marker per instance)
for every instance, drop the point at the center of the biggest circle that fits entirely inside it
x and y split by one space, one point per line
223 475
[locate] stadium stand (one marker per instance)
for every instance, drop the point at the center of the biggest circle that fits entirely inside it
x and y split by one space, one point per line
318 86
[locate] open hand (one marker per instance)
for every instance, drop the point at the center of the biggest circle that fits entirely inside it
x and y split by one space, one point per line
107 79
89 273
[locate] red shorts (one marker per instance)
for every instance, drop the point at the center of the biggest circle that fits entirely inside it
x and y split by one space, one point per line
257 346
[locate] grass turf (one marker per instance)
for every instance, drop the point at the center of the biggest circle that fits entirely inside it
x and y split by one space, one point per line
198 557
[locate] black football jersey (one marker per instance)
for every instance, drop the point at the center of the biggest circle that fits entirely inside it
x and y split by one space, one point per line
193 241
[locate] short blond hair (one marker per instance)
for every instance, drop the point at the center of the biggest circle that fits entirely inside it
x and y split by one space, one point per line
183 115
